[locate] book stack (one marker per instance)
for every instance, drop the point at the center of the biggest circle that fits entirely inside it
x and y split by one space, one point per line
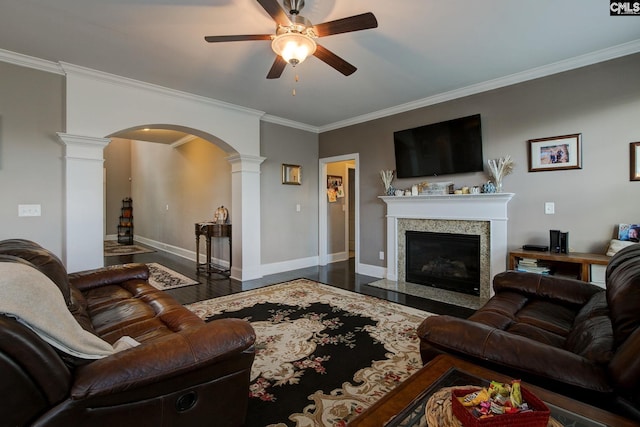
532 265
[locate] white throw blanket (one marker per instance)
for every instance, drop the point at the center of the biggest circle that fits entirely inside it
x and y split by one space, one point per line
34 300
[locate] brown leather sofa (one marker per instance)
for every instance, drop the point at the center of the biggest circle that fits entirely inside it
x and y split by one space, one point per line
564 335
185 372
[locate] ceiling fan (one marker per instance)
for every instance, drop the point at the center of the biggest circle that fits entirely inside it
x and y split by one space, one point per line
295 37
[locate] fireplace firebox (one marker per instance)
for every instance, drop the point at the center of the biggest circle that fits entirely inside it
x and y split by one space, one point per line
443 260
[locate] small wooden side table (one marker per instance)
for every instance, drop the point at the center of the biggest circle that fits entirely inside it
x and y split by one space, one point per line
582 261
210 230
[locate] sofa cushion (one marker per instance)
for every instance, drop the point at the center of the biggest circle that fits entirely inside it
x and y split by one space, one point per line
537 334
78 309
548 316
592 339
136 309
623 292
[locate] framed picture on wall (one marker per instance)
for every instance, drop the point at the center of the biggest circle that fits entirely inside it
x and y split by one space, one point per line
634 157
291 174
334 181
555 153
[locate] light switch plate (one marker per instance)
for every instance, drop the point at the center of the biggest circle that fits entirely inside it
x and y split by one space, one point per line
29 210
549 208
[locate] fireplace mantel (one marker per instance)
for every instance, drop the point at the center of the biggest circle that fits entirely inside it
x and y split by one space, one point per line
491 208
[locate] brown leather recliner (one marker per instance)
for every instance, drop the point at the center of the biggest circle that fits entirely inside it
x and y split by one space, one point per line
565 335
185 372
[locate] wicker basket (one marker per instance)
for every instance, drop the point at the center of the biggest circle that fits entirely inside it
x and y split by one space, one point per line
538 417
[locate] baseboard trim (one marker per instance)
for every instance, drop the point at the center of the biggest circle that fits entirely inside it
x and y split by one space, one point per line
338 256
372 270
295 264
265 269
181 252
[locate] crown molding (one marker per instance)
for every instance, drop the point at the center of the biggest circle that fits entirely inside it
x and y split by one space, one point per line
182 141
534 73
63 68
290 123
30 62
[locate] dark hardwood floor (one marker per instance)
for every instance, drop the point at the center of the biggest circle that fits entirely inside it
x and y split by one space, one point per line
339 274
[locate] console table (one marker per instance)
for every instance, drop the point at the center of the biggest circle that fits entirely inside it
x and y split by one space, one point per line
580 262
209 230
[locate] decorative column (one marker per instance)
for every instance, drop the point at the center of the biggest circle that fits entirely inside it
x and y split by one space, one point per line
245 216
84 201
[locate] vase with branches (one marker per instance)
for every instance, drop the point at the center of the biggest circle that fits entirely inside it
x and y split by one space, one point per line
498 169
387 177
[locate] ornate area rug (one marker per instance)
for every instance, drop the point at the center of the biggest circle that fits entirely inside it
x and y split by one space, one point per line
323 354
164 278
113 248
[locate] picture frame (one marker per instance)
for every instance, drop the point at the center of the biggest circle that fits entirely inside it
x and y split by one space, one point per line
334 181
634 161
555 153
291 174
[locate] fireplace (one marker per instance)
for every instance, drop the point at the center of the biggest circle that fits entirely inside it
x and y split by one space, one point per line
443 260
483 215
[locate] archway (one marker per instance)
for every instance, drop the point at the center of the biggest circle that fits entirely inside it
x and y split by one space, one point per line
98 104
174 178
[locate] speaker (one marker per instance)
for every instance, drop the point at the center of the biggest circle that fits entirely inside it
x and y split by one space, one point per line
564 243
554 241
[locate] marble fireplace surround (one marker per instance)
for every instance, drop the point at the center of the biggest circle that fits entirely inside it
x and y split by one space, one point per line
480 214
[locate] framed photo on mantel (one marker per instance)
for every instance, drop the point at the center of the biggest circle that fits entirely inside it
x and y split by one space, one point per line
555 153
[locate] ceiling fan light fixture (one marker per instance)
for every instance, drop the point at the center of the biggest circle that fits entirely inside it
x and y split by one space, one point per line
293 47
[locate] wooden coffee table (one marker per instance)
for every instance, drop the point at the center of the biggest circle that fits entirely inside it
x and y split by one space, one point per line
410 396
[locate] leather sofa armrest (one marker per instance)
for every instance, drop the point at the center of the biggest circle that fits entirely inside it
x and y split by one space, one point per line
167 357
115 274
572 291
454 335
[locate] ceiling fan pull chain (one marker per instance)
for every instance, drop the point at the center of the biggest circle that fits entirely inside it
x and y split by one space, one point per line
297 79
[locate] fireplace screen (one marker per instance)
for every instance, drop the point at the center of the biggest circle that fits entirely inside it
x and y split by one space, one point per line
444 260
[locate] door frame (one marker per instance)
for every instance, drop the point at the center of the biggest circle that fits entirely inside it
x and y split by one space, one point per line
323 254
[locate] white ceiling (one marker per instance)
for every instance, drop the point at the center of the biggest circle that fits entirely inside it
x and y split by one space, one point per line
421 49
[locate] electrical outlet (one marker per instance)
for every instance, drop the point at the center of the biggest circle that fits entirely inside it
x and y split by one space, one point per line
298 207
381 255
549 208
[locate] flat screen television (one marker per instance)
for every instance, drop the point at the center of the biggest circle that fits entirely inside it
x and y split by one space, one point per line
444 148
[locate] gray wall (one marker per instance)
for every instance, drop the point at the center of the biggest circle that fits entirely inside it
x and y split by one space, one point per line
173 188
287 234
31 158
601 101
117 164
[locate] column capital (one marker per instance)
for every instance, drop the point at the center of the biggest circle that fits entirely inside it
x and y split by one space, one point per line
83 147
244 162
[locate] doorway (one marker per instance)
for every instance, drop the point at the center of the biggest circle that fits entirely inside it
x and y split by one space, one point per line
339 225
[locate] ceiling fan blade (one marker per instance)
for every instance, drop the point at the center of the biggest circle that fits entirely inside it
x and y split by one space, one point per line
330 58
275 11
218 39
345 25
277 68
